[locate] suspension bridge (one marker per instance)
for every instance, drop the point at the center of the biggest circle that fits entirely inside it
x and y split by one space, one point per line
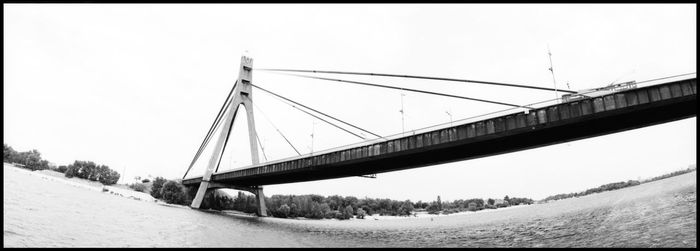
581 115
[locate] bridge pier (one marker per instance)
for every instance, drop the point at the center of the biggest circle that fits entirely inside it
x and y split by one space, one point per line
260 197
256 190
242 95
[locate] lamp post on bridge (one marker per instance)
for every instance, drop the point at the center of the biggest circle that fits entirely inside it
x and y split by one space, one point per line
403 130
449 114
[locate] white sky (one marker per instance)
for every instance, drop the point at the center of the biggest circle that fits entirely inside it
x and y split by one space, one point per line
136 87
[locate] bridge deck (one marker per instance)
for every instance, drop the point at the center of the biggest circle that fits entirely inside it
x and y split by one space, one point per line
553 124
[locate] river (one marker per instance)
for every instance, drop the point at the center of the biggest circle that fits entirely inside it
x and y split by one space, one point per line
45 213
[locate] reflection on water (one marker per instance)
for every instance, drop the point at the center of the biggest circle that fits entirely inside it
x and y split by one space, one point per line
44 213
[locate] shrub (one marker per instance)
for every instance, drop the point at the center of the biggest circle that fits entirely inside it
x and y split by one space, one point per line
293 210
284 211
325 210
360 213
406 208
450 211
472 206
173 193
139 187
433 208
157 185
145 181
70 172
347 213
504 204
491 202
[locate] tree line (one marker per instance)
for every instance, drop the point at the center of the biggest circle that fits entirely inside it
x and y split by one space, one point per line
603 188
90 171
345 207
447 207
668 175
29 159
617 185
309 206
82 169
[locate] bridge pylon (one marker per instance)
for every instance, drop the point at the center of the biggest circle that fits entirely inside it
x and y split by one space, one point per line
242 95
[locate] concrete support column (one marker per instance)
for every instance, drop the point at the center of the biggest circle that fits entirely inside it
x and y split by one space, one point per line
262 209
242 94
197 201
218 151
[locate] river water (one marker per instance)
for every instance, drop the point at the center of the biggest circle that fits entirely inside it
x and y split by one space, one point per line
44 213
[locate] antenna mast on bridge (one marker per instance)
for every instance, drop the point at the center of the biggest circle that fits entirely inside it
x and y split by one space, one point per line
551 68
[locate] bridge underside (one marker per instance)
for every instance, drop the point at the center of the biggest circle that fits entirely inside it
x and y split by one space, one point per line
508 139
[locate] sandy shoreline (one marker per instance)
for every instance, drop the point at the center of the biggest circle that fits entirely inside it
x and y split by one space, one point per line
82 183
131 194
662 213
479 216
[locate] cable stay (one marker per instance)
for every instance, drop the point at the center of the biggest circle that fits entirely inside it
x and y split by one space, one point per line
278 130
312 115
261 146
213 127
297 103
228 134
418 77
405 89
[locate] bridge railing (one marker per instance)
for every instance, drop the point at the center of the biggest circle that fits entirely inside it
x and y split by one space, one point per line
525 109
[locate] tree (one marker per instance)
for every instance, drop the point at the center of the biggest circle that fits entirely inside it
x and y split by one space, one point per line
491 201
433 208
439 203
110 177
315 212
173 193
62 168
71 171
8 154
293 210
360 213
347 213
30 159
472 206
334 202
406 208
325 210
284 210
157 185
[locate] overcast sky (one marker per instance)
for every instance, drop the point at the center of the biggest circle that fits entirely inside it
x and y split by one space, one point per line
136 86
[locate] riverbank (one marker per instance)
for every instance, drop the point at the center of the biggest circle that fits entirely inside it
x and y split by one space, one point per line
661 213
54 176
41 213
